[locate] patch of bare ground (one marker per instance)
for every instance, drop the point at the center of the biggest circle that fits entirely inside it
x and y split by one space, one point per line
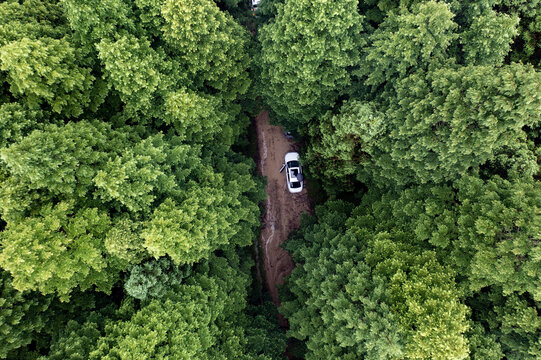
283 210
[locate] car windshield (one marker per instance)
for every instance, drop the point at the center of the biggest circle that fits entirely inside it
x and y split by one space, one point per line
295 184
292 164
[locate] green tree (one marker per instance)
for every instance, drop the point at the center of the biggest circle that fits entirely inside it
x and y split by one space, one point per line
196 320
154 278
161 196
211 48
45 70
484 230
264 339
85 203
424 296
498 225
76 340
408 41
56 161
519 327
133 69
488 39
483 345
338 143
304 69
17 121
123 241
94 20
367 293
31 19
21 316
209 214
139 175
75 327
201 118
449 121
57 250
527 46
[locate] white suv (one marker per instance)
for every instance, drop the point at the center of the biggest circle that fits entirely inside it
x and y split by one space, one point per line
293 172
255 4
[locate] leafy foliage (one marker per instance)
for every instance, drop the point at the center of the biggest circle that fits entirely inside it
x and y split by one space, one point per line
152 279
21 316
210 46
303 68
117 122
426 141
341 141
369 293
31 19
200 118
45 71
409 41
200 318
138 85
125 211
527 47
59 248
78 162
17 121
489 37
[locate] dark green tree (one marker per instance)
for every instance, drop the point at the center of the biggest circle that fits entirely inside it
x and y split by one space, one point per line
117 122
17 121
498 225
202 118
484 230
364 293
264 339
76 340
408 41
448 121
133 69
488 39
31 19
303 68
21 316
195 319
117 198
520 326
152 279
527 46
217 210
211 48
340 142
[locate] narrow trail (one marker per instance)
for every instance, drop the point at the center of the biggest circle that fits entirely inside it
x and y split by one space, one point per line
282 210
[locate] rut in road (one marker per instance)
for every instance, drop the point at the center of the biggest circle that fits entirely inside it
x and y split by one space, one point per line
282 210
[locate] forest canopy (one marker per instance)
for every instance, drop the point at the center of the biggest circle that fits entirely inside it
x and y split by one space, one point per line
130 204
424 116
126 197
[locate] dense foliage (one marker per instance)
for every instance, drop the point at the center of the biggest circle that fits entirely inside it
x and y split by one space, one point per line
128 203
124 209
432 136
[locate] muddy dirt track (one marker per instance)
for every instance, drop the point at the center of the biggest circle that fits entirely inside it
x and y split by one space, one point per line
282 209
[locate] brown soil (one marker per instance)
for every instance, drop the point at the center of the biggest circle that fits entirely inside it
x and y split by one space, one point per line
282 209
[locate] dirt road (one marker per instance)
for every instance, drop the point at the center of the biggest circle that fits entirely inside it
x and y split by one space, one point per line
282 209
